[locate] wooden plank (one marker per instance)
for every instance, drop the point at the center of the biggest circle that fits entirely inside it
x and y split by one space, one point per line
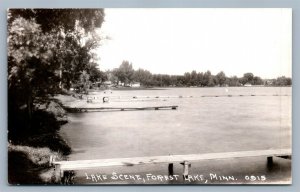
88 164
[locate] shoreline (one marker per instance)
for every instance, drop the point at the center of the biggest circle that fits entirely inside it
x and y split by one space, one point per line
29 152
167 87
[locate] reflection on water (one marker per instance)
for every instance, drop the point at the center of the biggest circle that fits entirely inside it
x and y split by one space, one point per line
199 125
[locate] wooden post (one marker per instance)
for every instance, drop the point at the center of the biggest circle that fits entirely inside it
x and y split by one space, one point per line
186 166
270 160
58 173
51 160
170 169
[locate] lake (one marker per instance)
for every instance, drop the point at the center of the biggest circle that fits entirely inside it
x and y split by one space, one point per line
207 120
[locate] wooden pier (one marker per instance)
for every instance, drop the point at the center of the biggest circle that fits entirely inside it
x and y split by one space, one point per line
64 166
95 109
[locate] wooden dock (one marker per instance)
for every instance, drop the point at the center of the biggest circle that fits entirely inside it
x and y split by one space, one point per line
64 166
98 109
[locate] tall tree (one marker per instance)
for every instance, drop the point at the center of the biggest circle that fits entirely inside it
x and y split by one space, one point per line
208 79
200 79
41 44
220 78
233 81
193 78
187 78
125 72
66 20
142 76
282 81
257 81
247 78
30 73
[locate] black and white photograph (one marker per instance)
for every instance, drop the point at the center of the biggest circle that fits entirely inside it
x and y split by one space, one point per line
149 96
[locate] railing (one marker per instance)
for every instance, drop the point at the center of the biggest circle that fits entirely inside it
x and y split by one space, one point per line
64 166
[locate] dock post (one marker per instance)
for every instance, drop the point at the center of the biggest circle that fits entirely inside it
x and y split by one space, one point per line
170 169
58 173
186 166
51 160
270 160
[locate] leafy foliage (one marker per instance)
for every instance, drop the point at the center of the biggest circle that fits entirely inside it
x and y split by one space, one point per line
61 19
48 49
142 76
124 73
30 71
282 81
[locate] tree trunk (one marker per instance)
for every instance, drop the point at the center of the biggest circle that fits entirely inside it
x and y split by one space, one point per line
29 110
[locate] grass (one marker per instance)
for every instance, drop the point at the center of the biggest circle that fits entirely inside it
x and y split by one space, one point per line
32 142
38 156
30 165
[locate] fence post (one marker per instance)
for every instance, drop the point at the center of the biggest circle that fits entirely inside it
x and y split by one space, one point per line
51 160
270 160
59 174
186 166
170 169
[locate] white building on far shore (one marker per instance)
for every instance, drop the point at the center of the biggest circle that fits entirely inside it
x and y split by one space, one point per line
248 85
135 84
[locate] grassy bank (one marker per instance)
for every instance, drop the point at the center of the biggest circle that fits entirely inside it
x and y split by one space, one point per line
32 142
30 165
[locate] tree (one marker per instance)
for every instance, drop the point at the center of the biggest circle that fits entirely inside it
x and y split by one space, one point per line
84 82
208 79
166 80
174 80
247 78
282 81
66 20
200 79
66 29
180 80
113 76
257 81
142 76
220 78
125 73
193 80
95 74
43 44
233 81
30 73
187 79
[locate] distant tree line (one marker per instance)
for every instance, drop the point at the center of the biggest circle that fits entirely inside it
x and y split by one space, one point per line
126 75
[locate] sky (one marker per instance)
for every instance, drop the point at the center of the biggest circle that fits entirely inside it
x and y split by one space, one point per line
175 41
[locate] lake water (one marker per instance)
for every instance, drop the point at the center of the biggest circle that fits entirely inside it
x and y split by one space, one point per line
253 118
